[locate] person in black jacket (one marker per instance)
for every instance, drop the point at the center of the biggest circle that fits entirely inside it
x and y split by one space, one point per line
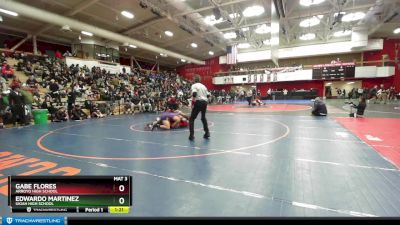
17 106
319 108
373 93
360 108
54 88
71 98
3 109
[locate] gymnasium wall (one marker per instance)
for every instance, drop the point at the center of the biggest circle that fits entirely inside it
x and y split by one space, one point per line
303 61
207 71
389 49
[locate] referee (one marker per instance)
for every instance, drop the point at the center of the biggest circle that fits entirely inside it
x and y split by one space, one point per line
200 98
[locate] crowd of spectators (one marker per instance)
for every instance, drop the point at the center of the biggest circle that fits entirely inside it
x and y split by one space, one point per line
78 92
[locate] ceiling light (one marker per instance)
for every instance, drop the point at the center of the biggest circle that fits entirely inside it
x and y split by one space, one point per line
263 29
337 14
133 46
234 15
9 12
350 82
328 83
169 33
313 21
397 30
163 55
243 45
267 42
306 37
183 60
127 14
353 17
210 20
230 35
342 33
244 29
194 45
310 2
86 33
211 53
255 10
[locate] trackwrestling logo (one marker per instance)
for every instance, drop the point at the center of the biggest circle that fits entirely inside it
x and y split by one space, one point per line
33 220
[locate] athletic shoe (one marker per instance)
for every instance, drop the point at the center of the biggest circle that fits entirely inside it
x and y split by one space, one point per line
191 138
153 127
206 135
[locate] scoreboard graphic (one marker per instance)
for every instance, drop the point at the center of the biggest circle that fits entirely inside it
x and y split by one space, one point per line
78 194
333 71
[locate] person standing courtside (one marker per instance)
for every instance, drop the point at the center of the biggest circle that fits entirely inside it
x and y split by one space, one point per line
200 97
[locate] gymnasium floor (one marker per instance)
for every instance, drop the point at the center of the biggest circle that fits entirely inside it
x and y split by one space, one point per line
274 161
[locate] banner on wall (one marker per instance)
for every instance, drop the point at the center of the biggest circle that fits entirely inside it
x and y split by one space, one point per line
333 71
228 80
273 73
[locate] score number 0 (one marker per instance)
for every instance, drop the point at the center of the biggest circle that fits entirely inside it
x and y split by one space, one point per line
121 200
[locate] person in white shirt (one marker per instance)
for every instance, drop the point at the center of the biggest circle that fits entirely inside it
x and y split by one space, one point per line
269 92
200 98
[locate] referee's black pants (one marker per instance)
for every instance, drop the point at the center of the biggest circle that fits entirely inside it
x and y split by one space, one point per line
199 106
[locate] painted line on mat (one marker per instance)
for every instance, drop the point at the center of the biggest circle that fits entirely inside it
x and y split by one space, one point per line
346 164
375 111
220 151
225 189
330 140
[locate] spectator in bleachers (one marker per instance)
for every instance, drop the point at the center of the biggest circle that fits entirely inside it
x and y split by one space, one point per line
58 55
77 113
54 91
7 72
61 115
3 85
15 83
32 82
96 113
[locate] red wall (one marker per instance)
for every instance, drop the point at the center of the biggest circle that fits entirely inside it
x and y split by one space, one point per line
205 71
389 48
212 66
369 83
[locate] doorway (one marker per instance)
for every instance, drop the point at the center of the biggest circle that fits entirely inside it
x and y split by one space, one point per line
340 89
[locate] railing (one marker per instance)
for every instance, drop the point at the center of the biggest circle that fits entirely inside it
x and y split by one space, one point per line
9 52
383 62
